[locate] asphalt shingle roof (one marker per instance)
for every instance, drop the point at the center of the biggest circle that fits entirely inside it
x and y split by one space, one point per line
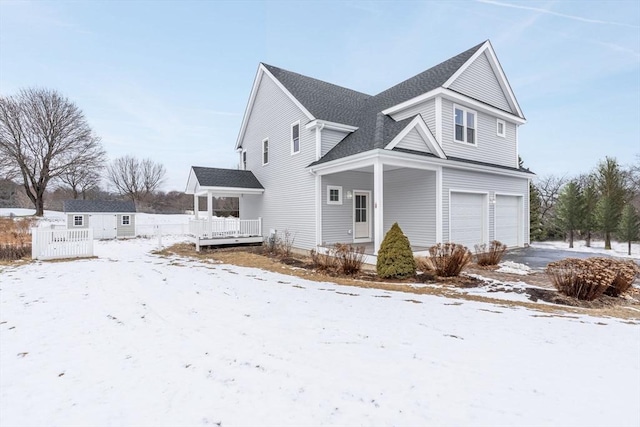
98 206
215 177
338 104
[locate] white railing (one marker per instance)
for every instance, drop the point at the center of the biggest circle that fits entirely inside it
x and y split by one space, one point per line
152 230
47 243
225 227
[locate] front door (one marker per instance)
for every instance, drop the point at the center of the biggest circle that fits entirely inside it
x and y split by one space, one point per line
361 214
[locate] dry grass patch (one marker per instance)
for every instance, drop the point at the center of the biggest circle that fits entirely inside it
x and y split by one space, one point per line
15 239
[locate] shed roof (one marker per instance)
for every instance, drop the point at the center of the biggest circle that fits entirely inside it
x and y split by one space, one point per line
107 206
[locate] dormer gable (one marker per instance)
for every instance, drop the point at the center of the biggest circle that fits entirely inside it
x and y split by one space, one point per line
416 136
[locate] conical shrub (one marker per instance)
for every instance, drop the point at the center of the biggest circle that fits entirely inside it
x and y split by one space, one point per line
395 258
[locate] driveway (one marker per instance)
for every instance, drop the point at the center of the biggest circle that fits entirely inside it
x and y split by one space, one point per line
538 258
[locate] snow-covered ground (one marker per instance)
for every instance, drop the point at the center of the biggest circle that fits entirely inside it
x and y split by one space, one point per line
130 338
597 247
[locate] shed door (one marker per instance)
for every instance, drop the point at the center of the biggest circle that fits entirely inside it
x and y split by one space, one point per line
468 219
508 219
104 226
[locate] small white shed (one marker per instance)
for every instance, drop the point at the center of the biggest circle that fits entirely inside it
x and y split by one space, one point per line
109 219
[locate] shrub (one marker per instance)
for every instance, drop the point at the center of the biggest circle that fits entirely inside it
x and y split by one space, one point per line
584 279
349 258
324 261
284 243
625 273
449 258
425 265
395 257
491 256
15 240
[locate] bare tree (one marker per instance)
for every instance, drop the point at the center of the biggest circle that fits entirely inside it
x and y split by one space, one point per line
81 180
43 134
549 187
135 179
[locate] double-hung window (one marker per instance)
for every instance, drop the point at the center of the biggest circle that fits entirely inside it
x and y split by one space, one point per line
78 220
464 125
126 219
295 138
265 151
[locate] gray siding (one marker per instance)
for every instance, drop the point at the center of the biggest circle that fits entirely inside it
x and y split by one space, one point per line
289 198
85 221
413 141
329 140
480 82
458 179
126 230
490 147
426 109
410 200
337 220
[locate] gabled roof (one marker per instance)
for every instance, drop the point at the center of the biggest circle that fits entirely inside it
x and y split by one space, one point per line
324 101
223 182
106 206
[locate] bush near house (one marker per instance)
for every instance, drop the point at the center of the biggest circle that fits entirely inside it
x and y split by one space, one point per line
492 255
395 257
340 258
15 240
449 259
589 279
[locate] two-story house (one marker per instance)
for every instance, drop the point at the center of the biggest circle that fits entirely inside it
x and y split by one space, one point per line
437 153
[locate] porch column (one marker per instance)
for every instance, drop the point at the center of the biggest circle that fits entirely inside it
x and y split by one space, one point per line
196 205
210 213
378 206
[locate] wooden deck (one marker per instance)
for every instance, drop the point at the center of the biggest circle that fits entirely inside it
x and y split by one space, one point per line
225 231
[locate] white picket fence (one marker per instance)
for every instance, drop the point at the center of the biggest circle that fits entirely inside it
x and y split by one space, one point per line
152 230
48 243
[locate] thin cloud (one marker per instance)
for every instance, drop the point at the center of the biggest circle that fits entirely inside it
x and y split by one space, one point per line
562 15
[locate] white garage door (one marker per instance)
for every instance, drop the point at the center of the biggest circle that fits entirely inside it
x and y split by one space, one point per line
508 219
468 219
104 226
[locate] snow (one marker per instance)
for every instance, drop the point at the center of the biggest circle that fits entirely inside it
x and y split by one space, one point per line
513 268
618 249
131 338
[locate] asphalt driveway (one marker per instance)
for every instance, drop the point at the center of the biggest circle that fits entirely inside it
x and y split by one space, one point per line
538 258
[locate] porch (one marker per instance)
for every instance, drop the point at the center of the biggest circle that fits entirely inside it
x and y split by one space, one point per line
225 231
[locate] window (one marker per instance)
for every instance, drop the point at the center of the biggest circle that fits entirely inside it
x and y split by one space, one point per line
501 128
78 220
334 195
265 151
244 160
126 219
464 125
295 138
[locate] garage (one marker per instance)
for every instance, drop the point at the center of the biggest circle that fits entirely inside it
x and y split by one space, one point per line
468 215
508 220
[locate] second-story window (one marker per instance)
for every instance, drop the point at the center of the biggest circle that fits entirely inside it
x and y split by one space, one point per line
501 128
265 151
295 138
464 125
244 160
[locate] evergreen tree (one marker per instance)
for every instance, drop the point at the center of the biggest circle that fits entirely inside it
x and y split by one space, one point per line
590 200
570 209
535 219
610 180
629 227
395 257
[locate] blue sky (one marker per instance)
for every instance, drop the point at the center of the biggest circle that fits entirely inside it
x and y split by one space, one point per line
170 80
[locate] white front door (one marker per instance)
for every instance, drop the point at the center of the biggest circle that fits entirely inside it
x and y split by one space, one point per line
361 215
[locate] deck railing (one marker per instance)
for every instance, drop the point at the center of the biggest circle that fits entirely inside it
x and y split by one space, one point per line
225 227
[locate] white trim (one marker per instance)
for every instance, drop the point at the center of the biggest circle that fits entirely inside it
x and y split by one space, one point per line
497 69
369 216
330 125
439 205
455 97
438 117
485 225
296 123
122 219
334 202
262 70
504 128
521 227
517 147
318 142
73 220
421 127
222 191
414 161
263 151
465 112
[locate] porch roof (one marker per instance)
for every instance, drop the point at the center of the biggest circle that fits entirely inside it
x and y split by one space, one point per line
229 182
